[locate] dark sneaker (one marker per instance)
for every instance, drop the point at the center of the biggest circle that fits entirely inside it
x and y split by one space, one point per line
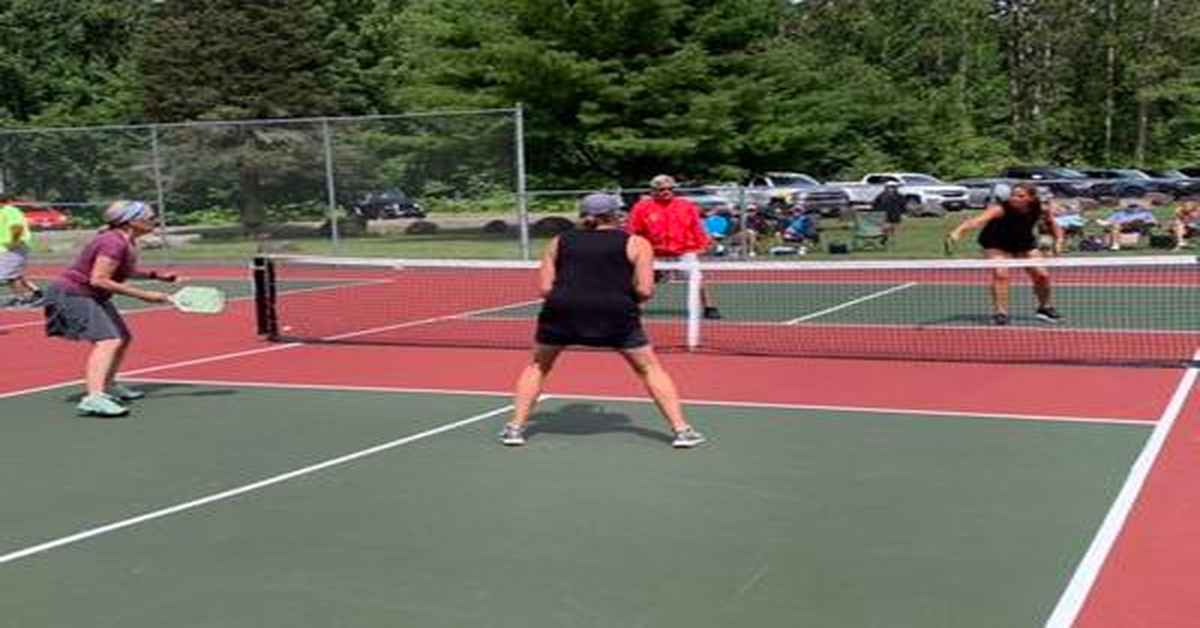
1000 318
687 438
661 276
512 435
712 313
1048 314
121 392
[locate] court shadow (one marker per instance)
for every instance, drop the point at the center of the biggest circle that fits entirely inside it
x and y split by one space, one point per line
581 419
167 390
975 320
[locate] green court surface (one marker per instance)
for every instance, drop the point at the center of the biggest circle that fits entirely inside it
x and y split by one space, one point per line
786 518
1127 307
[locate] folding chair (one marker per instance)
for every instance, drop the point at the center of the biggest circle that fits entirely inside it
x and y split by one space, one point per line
869 231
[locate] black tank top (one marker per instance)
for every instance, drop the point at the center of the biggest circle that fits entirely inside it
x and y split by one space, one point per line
1012 231
593 284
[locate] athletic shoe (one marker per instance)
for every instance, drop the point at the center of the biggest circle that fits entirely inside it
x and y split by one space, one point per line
661 276
1048 314
121 392
512 435
1000 318
101 405
712 313
687 438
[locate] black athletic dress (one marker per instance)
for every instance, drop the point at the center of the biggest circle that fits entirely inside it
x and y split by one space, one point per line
592 302
1012 232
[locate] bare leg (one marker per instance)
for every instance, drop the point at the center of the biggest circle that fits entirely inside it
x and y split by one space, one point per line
1041 281
100 364
530 382
999 282
118 357
658 383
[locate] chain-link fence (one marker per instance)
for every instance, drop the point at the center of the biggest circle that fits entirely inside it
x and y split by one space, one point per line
412 185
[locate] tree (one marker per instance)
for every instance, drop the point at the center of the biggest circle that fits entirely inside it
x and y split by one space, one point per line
225 59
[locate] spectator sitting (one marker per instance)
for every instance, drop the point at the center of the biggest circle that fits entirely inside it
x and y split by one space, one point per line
1186 222
802 228
717 225
1133 218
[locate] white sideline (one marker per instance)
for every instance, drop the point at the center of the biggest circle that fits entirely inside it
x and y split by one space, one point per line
842 306
1066 611
223 495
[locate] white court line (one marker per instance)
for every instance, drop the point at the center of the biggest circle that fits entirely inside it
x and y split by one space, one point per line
842 306
160 308
696 402
1066 611
269 349
234 492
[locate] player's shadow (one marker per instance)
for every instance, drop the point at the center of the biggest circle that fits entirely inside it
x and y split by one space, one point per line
160 390
582 419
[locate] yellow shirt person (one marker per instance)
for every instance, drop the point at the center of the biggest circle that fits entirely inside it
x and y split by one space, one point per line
15 238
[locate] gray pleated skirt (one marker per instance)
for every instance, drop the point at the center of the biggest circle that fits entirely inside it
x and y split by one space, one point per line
77 317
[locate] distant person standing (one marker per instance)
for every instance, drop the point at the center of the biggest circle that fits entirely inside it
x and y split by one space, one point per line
673 226
891 203
15 238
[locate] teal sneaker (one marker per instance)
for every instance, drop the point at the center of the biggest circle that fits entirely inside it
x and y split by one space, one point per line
121 392
101 405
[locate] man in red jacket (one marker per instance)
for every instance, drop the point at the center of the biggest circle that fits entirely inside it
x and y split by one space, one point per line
672 225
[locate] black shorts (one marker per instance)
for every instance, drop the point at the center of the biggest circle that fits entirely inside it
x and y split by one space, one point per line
1021 247
634 339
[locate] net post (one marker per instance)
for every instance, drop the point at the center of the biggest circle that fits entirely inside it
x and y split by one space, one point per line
691 267
264 298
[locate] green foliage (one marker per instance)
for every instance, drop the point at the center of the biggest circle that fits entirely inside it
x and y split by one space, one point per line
614 91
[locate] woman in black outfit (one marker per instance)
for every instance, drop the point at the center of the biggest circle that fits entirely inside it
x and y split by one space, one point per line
1008 233
594 279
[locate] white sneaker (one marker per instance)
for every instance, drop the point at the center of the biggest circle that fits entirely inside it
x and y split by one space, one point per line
512 435
687 438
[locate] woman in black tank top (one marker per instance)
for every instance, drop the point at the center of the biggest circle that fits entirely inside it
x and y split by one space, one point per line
1009 232
594 280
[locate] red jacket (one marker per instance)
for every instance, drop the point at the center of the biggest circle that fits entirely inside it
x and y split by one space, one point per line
673 227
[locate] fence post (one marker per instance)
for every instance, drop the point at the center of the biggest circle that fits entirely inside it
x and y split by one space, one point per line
158 187
330 191
522 201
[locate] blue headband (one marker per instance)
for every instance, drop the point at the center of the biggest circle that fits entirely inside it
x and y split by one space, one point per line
126 213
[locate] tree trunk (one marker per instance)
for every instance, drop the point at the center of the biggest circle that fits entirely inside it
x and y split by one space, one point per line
1149 47
1110 79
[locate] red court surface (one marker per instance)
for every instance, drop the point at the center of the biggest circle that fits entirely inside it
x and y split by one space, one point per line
1149 578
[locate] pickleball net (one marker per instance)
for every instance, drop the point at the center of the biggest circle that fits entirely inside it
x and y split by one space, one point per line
1116 310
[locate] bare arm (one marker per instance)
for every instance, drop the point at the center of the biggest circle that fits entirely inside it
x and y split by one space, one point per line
642 256
546 270
17 231
991 213
102 271
1053 227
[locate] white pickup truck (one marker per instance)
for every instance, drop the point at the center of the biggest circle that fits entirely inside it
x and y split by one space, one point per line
924 194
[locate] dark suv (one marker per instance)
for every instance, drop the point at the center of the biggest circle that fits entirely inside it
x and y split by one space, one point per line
1127 182
1060 181
387 204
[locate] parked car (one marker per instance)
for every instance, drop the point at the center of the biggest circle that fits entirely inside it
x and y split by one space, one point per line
40 216
923 194
794 189
983 190
1181 184
387 204
1125 183
1060 181
708 198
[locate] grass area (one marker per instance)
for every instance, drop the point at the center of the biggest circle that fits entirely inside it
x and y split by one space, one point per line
918 238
